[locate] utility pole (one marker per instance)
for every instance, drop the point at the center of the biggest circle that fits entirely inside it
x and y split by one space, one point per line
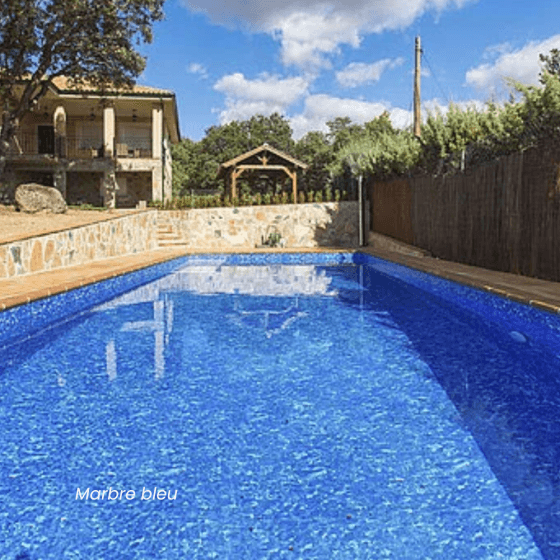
417 115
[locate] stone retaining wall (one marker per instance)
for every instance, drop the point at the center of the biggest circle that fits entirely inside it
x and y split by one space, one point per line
329 224
124 235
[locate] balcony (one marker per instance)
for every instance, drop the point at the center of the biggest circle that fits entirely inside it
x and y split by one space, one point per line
76 147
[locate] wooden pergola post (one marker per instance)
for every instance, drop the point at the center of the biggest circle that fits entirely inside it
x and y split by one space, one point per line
234 175
293 176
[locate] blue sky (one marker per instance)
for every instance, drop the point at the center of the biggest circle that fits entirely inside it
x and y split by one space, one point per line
312 60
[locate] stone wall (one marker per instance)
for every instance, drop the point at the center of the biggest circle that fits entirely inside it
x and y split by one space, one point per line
138 187
329 224
124 235
84 188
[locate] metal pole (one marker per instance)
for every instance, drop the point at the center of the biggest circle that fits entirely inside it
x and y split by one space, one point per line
417 115
360 212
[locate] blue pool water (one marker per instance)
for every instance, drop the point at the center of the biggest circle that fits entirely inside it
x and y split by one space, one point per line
333 407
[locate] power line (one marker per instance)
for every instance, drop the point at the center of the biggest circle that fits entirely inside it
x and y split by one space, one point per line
434 76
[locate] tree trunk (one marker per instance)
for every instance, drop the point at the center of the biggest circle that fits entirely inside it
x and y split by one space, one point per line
7 133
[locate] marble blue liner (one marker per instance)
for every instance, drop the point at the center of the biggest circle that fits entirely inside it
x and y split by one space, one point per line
341 428
530 322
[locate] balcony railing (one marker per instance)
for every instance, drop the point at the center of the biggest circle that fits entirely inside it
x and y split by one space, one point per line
77 147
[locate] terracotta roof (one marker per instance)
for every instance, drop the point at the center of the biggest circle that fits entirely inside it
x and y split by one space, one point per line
64 84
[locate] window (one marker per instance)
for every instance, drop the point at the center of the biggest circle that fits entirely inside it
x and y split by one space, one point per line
90 136
136 136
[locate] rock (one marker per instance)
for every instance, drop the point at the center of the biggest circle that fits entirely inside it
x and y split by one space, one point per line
32 198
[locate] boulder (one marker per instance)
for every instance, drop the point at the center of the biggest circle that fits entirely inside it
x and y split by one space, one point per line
32 198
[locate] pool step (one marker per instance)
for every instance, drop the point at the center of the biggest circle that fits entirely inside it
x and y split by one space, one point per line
168 237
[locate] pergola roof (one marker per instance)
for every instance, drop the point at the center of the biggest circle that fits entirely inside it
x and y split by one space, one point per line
228 165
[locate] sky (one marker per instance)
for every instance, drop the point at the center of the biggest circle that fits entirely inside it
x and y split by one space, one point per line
313 61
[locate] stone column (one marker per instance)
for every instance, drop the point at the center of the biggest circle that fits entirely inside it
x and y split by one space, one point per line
59 180
59 118
109 189
157 184
167 172
108 130
157 130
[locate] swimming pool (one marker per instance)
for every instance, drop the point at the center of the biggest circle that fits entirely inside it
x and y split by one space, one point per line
279 406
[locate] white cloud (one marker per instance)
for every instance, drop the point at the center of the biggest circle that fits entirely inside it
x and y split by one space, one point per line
241 110
198 69
436 105
522 65
264 95
424 72
493 51
311 30
319 109
284 91
306 38
358 73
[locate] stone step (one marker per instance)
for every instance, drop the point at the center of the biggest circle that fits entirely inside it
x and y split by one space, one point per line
171 243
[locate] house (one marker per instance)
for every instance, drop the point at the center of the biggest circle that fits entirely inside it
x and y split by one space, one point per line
107 148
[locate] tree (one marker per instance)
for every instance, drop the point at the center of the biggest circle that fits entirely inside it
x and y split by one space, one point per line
274 130
183 158
551 62
341 131
315 150
89 41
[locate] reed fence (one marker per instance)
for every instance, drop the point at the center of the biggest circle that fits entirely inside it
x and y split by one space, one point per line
504 215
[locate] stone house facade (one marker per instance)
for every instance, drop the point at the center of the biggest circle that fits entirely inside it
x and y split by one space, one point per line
108 148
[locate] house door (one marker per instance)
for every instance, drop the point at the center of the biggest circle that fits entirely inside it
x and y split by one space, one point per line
45 135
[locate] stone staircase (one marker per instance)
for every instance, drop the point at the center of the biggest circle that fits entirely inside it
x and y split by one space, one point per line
167 236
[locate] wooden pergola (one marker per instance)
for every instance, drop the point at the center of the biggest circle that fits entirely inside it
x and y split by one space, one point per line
264 159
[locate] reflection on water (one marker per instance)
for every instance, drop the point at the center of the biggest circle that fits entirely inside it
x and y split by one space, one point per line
278 281
272 321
